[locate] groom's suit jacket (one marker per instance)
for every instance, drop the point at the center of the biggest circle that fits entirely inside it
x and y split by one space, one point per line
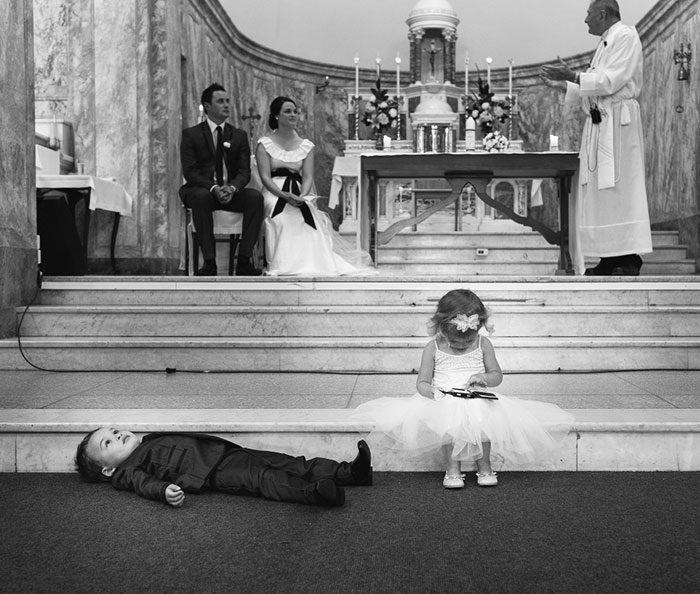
197 154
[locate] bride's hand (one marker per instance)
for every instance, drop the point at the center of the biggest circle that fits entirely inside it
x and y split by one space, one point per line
292 199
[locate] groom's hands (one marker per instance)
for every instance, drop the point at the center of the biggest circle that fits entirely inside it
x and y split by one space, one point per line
223 194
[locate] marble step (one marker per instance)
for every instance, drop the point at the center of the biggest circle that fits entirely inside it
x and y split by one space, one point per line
544 253
356 354
526 267
466 240
494 239
376 290
45 440
525 319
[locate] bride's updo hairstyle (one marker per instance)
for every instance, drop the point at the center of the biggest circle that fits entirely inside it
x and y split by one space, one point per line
275 108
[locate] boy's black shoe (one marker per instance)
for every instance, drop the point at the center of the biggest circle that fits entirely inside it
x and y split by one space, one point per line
361 466
328 494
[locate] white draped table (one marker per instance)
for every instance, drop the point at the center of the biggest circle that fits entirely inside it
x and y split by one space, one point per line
104 194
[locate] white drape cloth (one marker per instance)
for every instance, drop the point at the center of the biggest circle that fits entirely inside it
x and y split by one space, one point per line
608 199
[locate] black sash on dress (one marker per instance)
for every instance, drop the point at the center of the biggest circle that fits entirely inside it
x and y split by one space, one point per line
291 184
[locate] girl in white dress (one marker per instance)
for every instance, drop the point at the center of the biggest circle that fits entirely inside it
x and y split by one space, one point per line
299 238
458 358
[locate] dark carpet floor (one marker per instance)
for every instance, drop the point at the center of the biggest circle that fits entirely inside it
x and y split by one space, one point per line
536 532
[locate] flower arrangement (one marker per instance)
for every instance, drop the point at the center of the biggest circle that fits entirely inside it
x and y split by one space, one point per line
486 111
494 142
381 112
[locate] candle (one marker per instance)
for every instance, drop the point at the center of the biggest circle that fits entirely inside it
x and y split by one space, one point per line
488 71
398 75
357 75
510 81
201 113
466 74
53 137
378 61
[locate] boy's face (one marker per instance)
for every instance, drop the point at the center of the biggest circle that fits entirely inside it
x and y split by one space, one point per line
109 447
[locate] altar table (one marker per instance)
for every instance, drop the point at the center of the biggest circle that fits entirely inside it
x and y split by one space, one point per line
459 169
104 194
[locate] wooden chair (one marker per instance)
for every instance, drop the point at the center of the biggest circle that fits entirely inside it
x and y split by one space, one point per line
227 229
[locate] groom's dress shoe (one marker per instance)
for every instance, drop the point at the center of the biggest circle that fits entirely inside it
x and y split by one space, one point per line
245 267
361 466
208 269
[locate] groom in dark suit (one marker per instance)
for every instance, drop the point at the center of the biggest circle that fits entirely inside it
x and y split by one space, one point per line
215 160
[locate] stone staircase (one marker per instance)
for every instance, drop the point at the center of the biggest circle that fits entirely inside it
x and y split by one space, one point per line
523 253
371 324
374 324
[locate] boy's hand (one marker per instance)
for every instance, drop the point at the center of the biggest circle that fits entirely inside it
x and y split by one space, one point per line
174 495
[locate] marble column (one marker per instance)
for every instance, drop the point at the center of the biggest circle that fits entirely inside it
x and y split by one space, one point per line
18 255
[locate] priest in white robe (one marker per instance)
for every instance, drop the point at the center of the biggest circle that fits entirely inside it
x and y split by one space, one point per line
608 200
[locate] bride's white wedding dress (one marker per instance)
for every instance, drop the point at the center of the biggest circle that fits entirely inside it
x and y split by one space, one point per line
292 245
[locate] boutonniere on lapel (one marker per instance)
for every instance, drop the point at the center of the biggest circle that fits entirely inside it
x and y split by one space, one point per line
227 144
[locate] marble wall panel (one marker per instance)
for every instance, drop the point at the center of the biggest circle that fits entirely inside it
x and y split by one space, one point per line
18 256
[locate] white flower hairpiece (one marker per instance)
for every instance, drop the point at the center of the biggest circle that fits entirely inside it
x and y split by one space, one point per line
465 322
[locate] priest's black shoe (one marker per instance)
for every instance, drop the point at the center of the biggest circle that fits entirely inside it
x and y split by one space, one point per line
209 269
245 267
328 494
603 268
361 466
629 265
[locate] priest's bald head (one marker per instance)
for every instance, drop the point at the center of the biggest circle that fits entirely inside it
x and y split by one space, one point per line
602 14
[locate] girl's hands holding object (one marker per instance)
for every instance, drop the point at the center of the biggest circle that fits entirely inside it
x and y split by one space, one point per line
477 381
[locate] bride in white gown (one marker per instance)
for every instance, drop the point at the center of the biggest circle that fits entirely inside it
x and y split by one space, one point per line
299 238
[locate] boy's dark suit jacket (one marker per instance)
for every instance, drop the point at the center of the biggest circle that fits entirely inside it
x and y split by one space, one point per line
186 459
197 154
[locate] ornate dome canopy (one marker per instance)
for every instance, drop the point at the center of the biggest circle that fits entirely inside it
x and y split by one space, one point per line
432 14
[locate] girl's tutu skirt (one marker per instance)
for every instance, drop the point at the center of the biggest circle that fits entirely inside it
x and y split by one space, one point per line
518 430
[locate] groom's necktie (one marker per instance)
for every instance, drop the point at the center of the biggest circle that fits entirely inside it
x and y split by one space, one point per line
219 156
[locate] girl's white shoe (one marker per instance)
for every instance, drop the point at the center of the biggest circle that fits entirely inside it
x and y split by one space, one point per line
486 479
453 481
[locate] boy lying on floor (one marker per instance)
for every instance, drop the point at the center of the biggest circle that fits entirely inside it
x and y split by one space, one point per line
164 466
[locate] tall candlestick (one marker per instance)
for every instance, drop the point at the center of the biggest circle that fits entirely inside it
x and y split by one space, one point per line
398 75
378 61
466 74
488 71
510 81
356 59
201 113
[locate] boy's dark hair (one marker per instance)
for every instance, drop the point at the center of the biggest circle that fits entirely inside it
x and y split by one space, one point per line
88 469
208 93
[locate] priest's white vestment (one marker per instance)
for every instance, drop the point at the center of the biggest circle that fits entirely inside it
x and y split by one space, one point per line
609 210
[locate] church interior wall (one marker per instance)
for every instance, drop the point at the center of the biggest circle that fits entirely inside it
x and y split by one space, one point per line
18 252
671 112
130 94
